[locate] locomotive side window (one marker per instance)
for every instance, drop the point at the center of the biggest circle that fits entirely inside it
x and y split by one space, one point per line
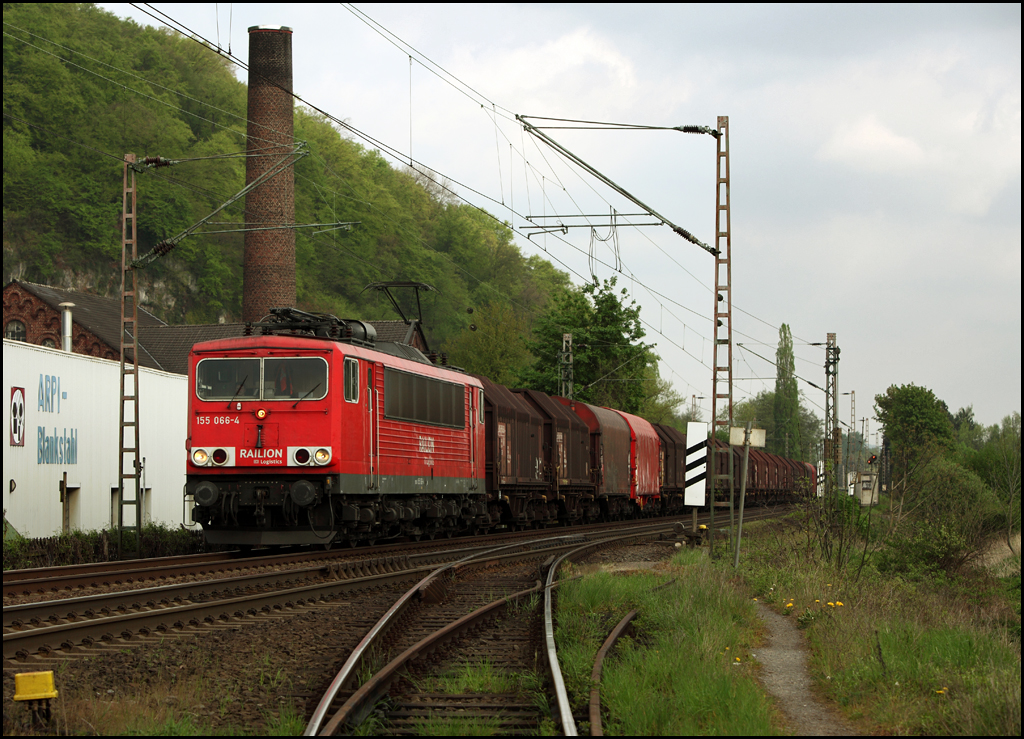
228 379
352 380
420 399
294 378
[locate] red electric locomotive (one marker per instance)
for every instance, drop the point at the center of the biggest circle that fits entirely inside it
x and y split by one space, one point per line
309 430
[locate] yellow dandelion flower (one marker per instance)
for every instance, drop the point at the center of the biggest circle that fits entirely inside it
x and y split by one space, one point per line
789 605
737 659
941 692
817 601
755 599
839 603
832 604
727 649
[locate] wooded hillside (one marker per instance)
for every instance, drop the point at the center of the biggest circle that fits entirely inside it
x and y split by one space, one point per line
82 87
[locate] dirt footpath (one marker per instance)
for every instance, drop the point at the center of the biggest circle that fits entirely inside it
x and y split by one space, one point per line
785 676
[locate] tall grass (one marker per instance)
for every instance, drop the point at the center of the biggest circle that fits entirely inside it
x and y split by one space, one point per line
938 655
687 667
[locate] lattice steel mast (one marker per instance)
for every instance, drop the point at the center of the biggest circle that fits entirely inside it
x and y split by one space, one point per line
128 434
721 380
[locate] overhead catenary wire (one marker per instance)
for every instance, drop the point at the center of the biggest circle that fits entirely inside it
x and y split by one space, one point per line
494 109
448 77
387 148
561 262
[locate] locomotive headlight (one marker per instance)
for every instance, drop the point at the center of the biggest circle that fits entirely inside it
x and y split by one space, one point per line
261 413
322 456
200 457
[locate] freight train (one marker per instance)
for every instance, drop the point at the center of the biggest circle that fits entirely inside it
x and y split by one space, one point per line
307 430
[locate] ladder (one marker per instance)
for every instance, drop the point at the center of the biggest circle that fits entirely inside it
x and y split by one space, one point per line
129 470
721 395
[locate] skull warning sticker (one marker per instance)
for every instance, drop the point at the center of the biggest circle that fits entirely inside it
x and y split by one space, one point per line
17 416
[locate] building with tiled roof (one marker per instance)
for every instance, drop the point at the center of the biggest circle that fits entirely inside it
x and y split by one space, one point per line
32 314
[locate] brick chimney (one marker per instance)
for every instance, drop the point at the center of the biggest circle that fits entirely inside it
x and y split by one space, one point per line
268 272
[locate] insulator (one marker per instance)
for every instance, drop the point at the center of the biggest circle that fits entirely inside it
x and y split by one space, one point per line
699 129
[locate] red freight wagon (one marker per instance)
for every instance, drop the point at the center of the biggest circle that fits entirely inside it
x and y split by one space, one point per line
610 441
644 460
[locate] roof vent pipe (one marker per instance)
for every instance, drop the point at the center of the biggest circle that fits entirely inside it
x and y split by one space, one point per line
65 326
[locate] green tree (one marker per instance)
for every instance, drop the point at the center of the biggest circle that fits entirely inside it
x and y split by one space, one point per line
786 411
914 419
996 460
610 364
493 345
918 429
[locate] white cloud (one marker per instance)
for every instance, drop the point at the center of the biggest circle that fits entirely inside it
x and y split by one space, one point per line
538 76
870 146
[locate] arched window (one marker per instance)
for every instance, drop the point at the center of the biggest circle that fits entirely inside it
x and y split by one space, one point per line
49 343
15 331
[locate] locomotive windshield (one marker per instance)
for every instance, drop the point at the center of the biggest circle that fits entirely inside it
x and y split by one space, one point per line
225 379
289 378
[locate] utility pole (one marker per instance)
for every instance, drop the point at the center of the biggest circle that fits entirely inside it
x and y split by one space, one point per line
748 437
850 451
721 381
848 463
565 363
833 437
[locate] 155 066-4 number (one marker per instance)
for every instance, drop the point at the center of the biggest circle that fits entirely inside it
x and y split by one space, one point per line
216 420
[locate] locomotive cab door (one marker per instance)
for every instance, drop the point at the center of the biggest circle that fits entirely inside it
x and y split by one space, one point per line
374 373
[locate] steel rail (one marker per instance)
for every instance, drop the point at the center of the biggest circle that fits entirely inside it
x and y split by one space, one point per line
377 685
71 608
561 694
595 676
387 620
44 574
43 579
71 634
347 670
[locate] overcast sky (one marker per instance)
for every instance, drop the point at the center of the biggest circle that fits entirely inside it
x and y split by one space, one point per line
875 165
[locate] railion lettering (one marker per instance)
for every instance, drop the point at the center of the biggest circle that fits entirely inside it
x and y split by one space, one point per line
261 454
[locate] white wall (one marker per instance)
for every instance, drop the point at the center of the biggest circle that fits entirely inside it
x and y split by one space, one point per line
72 400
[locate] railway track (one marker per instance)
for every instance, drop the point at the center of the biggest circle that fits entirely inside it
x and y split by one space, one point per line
351 594
58 582
74 626
482 615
